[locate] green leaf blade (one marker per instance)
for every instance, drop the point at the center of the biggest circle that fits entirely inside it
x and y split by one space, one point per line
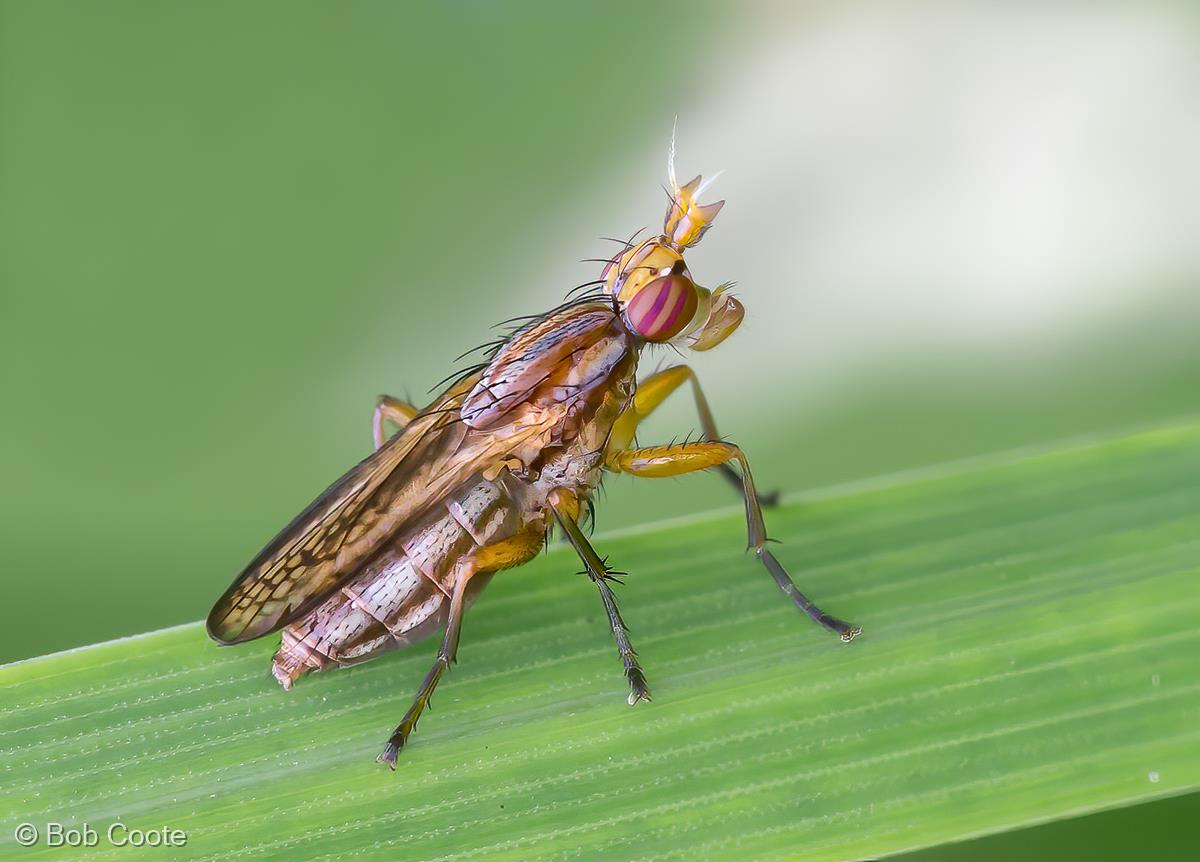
1030 652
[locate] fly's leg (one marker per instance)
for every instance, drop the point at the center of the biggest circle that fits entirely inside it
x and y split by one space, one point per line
446 655
651 392
566 511
658 461
399 412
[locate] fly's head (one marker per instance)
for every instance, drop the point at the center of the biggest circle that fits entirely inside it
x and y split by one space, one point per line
654 288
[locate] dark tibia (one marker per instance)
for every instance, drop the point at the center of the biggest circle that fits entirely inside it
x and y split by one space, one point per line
597 569
844 630
638 689
446 655
400 735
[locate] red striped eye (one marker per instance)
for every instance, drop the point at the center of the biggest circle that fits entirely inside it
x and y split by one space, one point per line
663 308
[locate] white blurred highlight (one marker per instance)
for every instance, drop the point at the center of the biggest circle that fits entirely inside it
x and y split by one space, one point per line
975 183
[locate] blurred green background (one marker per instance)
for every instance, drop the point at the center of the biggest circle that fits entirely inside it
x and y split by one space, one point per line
226 227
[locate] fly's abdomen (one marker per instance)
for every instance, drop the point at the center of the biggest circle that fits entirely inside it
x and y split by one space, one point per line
402 593
389 603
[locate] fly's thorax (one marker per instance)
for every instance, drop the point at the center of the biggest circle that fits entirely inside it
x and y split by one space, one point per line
569 468
550 364
569 375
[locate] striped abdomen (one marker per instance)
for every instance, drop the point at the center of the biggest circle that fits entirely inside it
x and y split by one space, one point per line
402 593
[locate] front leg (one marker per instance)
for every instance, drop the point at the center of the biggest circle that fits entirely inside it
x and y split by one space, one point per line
565 506
658 461
651 392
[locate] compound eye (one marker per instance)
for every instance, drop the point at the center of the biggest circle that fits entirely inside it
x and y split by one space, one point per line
663 308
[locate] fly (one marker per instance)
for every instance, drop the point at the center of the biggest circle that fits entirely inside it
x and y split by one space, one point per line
473 483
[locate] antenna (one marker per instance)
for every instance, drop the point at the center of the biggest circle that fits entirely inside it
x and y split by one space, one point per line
708 182
671 156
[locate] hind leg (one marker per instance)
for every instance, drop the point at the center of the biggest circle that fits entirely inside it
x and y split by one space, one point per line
400 413
445 656
474 574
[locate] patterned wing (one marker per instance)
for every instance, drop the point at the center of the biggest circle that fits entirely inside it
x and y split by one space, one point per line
504 416
329 540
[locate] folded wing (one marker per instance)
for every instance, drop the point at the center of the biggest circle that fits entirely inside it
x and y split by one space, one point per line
327 542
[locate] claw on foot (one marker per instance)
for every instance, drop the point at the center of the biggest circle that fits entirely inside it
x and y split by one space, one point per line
844 630
388 755
638 689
